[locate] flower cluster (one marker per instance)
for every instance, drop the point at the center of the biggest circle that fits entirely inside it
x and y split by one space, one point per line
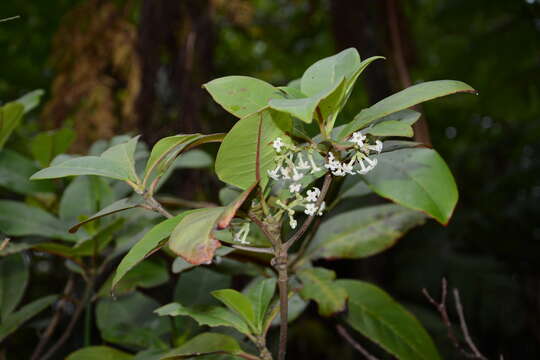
360 156
309 203
241 235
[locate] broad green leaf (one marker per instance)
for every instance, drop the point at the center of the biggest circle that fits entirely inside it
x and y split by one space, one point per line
19 219
45 146
117 206
260 294
207 343
325 73
192 238
15 170
246 154
16 319
166 147
404 99
13 281
406 116
193 159
84 196
319 285
117 162
417 178
10 117
239 303
381 319
206 315
97 242
195 286
99 352
241 95
150 354
391 128
147 274
150 242
290 92
363 232
328 101
130 321
30 100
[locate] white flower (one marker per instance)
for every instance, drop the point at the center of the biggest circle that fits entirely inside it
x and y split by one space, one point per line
365 169
348 168
285 172
295 187
312 195
274 174
314 167
321 208
332 164
302 165
278 144
292 222
311 209
372 163
242 234
357 138
339 171
297 175
377 147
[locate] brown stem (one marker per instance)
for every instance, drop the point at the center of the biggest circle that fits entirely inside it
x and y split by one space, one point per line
465 329
281 265
341 330
55 320
441 308
309 220
69 329
254 249
154 205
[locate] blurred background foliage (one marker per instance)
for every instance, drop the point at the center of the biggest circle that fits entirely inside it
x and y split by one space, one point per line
111 67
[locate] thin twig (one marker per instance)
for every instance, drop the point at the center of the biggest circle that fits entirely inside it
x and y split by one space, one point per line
69 329
441 308
154 205
341 330
254 249
309 220
303 247
177 202
55 320
464 328
10 18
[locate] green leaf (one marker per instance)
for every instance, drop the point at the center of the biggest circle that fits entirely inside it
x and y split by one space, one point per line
319 285
192 238
84 196
150 242
404 99
10 117
16 319
45 146
31 100
246 153
15 170
207 343
13 281
230 210
99 352
206 315
98 241
239 303
241 95
130 321
260 294
391 128
363 232
326 72
117 206
117 162
328 101
417 178
147 274
406 116
19 219
194 287
377 316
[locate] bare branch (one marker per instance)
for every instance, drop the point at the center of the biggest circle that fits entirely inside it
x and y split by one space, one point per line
464 328
341 330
